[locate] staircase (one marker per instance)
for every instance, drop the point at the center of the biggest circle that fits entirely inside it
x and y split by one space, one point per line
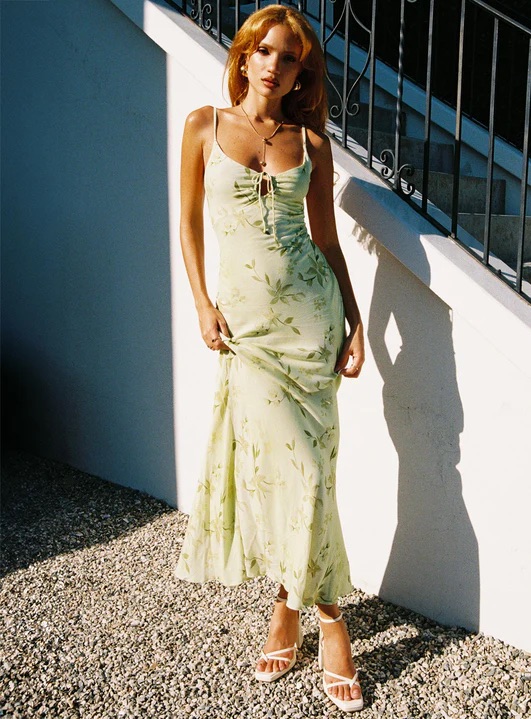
505 228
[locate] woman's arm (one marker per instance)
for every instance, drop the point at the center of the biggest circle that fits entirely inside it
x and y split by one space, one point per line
197 128
320 203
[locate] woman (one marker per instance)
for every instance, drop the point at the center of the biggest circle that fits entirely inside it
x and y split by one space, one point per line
266 503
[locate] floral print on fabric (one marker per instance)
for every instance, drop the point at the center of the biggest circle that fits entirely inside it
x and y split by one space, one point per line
266 501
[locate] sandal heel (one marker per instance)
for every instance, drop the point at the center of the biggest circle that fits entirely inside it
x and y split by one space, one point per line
349 705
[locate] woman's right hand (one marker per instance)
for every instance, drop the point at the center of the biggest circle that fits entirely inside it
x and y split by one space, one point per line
212 323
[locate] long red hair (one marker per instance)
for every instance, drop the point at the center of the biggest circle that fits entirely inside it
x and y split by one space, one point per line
307 106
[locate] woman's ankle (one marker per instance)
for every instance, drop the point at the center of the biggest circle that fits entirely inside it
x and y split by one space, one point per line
282 594
328 612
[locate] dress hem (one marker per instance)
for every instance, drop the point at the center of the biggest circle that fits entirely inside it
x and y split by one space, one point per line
297 605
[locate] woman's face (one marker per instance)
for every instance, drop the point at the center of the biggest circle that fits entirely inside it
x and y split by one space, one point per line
273 68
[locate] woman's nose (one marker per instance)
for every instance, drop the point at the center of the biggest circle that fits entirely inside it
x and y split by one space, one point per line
273 64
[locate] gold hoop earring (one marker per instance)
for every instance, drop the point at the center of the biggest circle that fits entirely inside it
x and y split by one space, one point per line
243 70
297 86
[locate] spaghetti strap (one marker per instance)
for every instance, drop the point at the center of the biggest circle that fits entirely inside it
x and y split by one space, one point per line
215 123
304 142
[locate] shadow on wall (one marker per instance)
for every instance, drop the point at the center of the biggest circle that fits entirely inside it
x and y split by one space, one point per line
433 565
86 326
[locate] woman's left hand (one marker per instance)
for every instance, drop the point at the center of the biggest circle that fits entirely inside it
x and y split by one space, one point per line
353 347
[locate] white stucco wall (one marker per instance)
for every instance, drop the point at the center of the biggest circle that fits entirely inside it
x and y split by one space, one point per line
433 477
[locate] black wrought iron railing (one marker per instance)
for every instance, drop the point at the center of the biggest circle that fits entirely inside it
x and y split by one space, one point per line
434 96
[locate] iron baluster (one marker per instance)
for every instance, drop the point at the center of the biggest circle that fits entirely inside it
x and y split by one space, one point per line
490 157
372 84
525 177
322 24
236 16
346 69
396 172
399 92
458 122
427 119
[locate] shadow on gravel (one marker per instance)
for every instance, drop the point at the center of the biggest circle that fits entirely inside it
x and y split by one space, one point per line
49 508
421 638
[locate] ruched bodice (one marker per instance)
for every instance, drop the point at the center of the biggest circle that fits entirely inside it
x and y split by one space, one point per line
279 211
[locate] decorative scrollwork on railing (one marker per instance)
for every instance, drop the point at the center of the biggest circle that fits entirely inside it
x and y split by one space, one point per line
389 172
405 187
199 14
386 171
344 94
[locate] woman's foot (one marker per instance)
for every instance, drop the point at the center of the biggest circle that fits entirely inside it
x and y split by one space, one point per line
282 640
337 657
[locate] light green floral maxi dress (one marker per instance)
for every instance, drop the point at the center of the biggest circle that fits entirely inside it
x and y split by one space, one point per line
266 500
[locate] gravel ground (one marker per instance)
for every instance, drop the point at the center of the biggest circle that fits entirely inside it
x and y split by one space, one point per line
94 625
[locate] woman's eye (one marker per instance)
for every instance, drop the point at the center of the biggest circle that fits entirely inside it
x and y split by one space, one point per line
290 58
262 50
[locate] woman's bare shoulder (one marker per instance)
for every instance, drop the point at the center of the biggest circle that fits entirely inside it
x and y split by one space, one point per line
318 140
319 147
200 119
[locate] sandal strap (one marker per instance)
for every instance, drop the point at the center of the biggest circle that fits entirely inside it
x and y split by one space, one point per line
331 621
354 682
277 652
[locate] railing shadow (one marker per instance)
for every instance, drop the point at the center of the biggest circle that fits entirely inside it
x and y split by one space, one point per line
49 509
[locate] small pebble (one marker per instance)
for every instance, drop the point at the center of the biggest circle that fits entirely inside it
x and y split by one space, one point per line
94 625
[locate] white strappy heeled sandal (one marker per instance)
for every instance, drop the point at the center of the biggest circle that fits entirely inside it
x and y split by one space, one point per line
346 705
277 655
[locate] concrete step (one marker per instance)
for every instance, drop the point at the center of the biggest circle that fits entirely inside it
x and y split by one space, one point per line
384 118
412 149
472 192
504 234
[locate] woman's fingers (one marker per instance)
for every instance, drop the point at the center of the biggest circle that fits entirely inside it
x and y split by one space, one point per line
351 370
351 358
343 358
223 325
218 344
213 326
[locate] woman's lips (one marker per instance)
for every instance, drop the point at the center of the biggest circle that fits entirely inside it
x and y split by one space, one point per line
270 83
